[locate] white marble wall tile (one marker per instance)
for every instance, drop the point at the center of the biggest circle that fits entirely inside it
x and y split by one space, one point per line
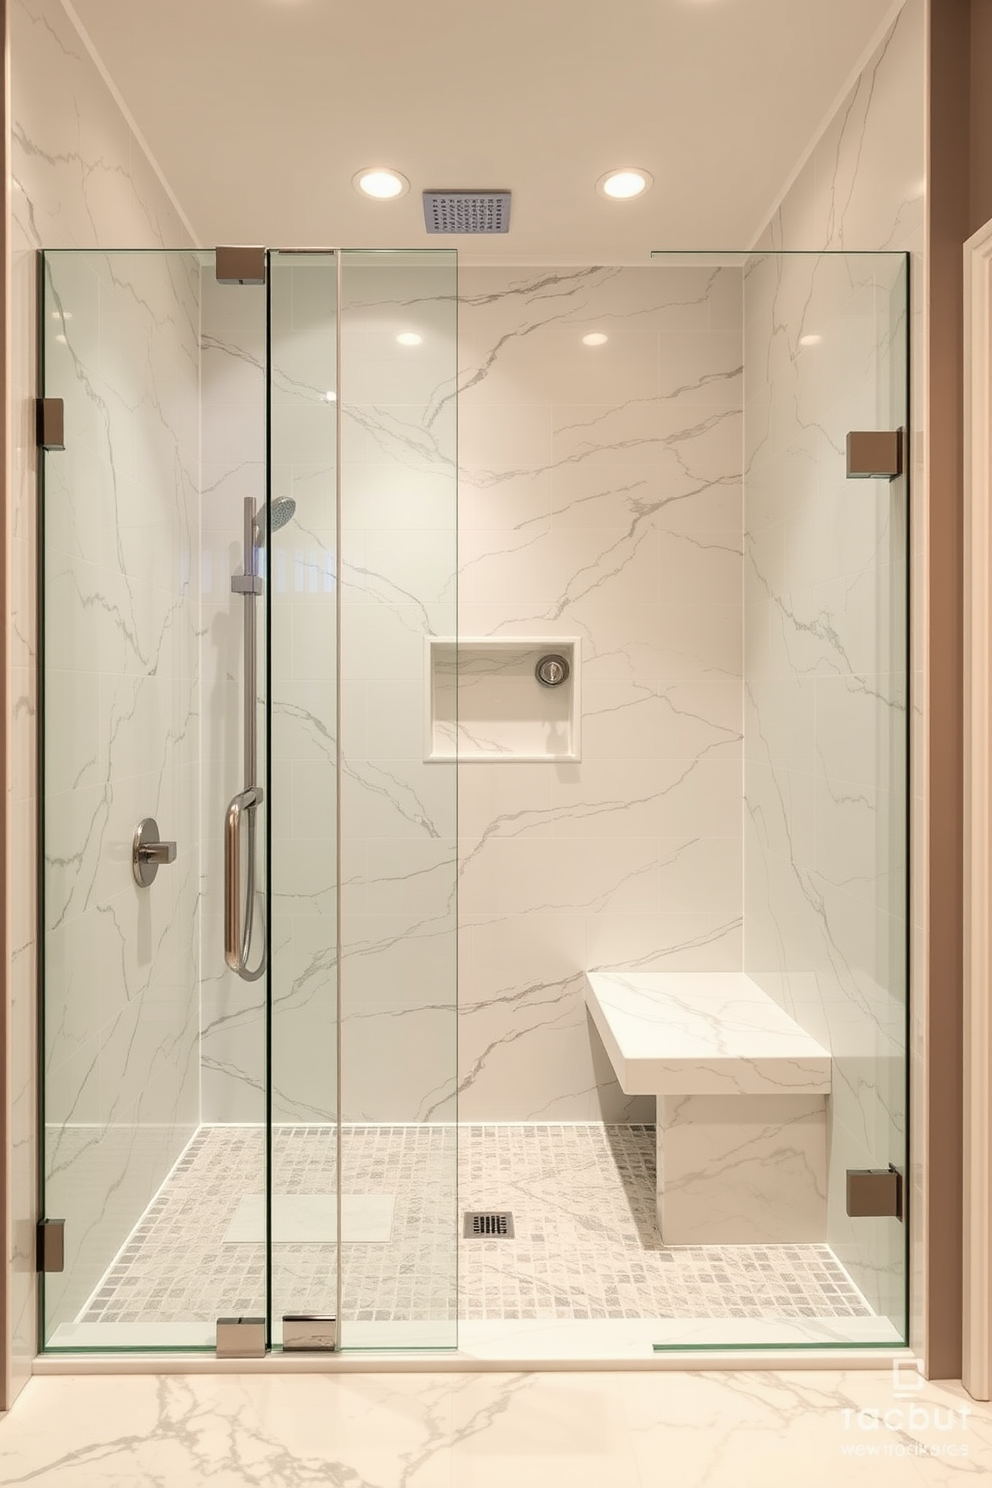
398 812
525 1040
697 941
600 497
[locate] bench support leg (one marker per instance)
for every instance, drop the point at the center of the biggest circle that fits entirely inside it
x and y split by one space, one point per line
742 1169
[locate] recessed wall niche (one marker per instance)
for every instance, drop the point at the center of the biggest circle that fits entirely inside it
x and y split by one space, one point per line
485 701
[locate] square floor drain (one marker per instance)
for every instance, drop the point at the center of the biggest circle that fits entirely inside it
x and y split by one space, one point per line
488 1224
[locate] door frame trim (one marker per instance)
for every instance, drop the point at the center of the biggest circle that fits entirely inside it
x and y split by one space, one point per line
977 1318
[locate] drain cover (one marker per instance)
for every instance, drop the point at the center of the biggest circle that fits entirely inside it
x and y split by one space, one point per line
488 1224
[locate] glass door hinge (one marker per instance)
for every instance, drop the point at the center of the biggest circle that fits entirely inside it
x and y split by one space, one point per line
875 454
51 423
875 1193
51 1245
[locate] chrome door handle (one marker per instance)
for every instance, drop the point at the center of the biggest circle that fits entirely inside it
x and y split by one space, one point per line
245 800
149 852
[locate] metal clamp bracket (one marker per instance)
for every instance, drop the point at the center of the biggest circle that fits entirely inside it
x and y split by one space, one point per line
241 1338
51 1245
247 584
51 423
309 1333
875 1193
875 454
240 265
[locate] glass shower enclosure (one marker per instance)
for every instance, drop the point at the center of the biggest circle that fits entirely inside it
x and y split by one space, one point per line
246 538
250 749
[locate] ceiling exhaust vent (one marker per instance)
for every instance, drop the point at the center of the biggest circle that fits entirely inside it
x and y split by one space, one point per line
467 211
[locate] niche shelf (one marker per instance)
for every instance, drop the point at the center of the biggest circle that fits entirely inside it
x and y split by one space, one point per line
484 701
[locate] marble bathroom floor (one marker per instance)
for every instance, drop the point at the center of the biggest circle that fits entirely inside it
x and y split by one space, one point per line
586 1430
586 1249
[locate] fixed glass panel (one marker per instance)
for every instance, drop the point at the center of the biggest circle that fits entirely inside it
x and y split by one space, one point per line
397 400
153 1049
302 578
824 673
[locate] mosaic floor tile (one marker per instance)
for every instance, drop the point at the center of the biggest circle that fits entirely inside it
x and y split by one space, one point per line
586 1244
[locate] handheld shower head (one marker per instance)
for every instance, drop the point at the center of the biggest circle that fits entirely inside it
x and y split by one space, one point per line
281 511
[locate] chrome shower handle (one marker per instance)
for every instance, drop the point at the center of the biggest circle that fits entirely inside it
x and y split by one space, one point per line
245 800
157 852
149 852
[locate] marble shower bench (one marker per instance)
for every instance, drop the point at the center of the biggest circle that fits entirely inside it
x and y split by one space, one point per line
741 1093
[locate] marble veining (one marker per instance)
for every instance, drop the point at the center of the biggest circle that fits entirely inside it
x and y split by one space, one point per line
708 1430
698 1033
599 498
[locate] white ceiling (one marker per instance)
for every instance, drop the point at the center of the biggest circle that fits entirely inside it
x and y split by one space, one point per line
259 112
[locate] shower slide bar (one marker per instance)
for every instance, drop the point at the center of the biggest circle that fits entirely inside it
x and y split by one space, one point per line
243 806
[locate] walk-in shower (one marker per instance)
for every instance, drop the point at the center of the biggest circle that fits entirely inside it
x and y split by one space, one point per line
539 853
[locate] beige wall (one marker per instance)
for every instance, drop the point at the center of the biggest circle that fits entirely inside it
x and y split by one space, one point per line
959 202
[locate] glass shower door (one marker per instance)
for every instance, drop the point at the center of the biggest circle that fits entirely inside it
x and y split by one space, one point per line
302 585
363 367
154 1054
225 1114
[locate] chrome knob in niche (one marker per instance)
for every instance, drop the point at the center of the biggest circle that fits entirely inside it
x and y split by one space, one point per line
552 670
149 852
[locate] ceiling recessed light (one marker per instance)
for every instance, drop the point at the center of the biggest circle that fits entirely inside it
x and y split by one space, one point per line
409 338
622 184
810 340
595 338
378 182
